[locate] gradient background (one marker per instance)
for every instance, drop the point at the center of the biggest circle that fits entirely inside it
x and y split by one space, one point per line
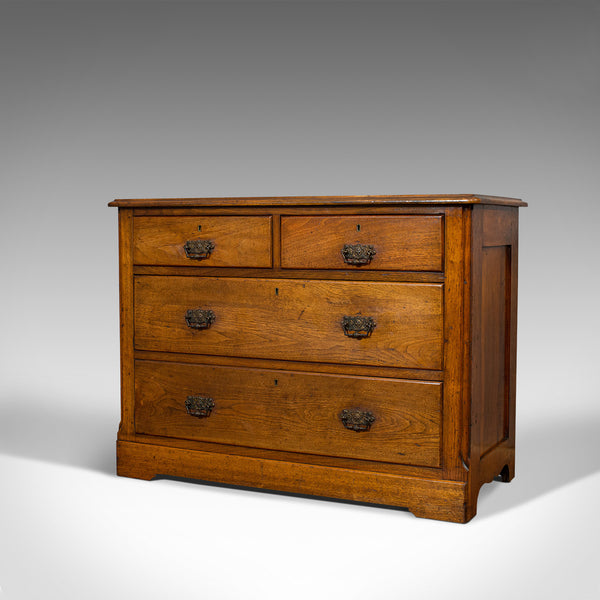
135 99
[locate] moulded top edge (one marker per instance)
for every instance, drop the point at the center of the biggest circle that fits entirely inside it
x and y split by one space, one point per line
446 199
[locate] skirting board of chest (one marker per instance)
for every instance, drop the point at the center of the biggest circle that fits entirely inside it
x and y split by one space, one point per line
352 347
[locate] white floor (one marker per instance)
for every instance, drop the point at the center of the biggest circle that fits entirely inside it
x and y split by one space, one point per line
71 529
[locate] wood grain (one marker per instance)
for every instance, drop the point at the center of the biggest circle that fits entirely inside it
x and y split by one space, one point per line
291 411
239 241
289 210
126 304
354 275
272 363
438 372
269 453
428 498
293 319
439 199
492 358
408 243
454 412
494 322
499 226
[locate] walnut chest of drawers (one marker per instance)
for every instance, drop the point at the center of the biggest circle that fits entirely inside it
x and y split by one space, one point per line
355 347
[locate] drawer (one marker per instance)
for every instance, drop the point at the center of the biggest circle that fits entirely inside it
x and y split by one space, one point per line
406 243
292 319
385 420
203 241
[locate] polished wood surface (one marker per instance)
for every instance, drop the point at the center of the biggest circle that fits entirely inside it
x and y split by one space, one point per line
295 320
353 275
408 243
126 304
491 390
290 411
424 497
494 320
296 365
432 199
439 369
377 466
239 241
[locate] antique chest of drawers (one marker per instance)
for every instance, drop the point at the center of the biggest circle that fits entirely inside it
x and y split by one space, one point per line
355 347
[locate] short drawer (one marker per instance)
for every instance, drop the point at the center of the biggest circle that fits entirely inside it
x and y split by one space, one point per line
372 323
367 418
203 241
403 242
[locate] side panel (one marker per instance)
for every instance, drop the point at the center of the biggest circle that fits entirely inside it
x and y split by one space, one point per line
494 253
495 323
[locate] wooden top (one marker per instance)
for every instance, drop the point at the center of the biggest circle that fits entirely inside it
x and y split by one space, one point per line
445 199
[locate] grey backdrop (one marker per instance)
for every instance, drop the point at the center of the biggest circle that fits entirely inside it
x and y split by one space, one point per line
144 99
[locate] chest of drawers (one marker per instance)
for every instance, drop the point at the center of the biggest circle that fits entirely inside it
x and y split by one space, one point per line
355 347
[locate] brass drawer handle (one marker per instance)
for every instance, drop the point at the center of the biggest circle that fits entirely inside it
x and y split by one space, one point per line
357 419
199 406
358 327
358 254
197 318
198 249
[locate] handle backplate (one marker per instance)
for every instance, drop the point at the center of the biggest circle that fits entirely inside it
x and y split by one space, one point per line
358 254
357 326
357 419
198 318
198 249
199 406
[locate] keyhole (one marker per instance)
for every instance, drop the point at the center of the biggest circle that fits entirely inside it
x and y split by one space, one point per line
358 227
277 291
199 227
276 381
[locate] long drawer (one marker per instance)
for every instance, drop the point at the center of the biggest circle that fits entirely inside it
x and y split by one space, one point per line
371 323
354 417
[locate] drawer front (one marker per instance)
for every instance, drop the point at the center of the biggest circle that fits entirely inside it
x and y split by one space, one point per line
203 241
407 243
386 419
292 319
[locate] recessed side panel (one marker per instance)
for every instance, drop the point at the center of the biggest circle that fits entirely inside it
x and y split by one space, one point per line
494 339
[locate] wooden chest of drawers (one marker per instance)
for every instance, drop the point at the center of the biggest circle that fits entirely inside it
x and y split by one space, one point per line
356 347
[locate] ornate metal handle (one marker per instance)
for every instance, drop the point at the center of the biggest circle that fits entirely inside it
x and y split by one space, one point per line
358 254
198 249
197 318
358 327
199 406
357 419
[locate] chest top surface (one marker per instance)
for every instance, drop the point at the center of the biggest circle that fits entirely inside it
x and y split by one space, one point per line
415 200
